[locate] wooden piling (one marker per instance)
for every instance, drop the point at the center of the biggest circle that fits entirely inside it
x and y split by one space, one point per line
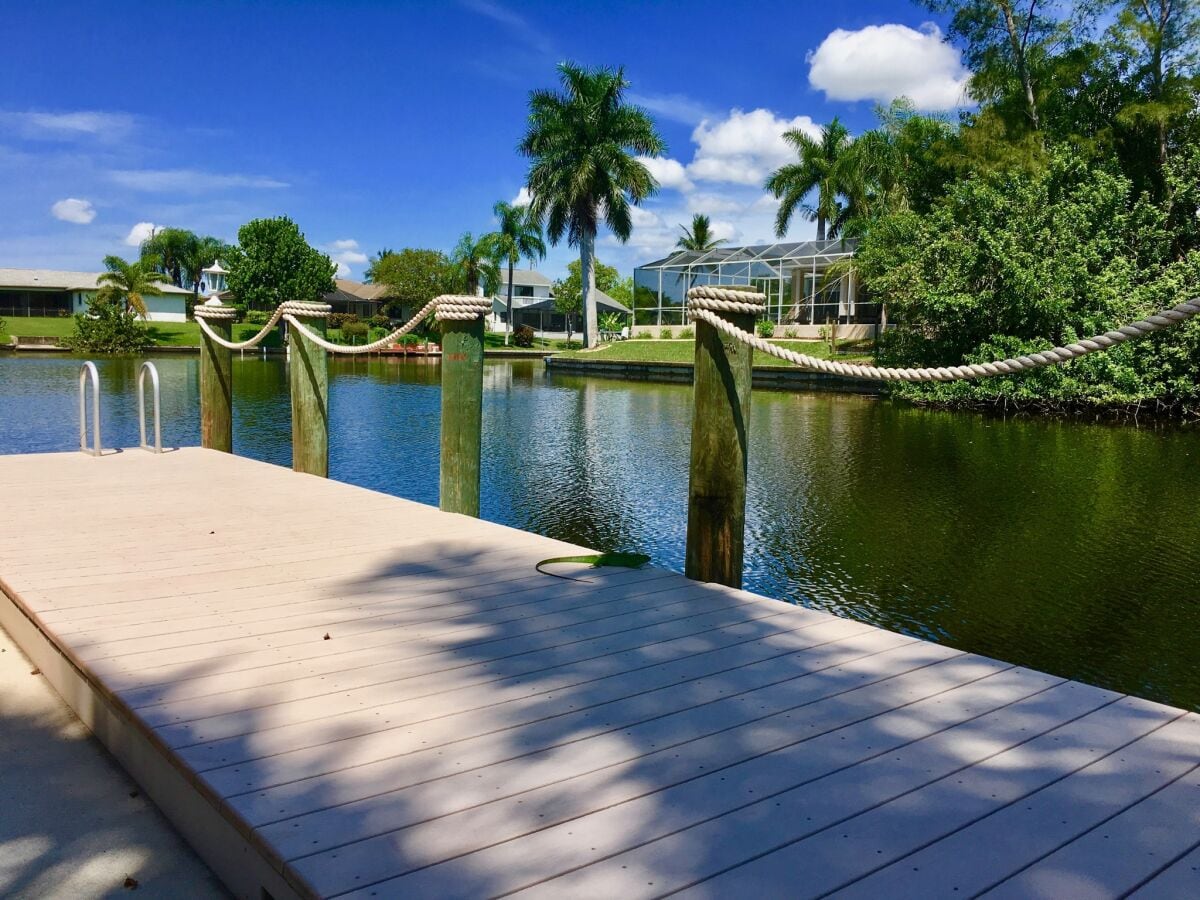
720 438
216 379
308 378
462 414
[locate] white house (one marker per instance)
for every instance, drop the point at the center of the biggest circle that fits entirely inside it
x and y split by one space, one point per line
50 292
529 287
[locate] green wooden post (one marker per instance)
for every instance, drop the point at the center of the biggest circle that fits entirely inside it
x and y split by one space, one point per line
462 414
308 377
216 378
720 438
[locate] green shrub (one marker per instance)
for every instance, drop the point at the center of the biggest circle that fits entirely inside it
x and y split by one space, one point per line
523 336
242 311
644 335
108 328
765 328
570 345
337 320
665 334
687 334
379 320
257 317
353 332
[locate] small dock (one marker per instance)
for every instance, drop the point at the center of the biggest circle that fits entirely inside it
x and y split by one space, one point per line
337 693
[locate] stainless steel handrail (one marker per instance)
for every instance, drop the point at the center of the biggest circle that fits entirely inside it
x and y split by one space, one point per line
88 371
153 370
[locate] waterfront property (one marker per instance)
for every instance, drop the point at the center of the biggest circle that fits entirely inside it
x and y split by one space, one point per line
51 292
795 278
533 305
433 717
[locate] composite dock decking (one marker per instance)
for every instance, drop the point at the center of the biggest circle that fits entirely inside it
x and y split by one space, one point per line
338 693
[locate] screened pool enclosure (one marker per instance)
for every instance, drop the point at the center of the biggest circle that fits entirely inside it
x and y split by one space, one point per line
806 283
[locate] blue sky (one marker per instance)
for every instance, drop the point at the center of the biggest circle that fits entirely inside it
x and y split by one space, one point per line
395 124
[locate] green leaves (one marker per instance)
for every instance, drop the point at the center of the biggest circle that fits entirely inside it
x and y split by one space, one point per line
273 263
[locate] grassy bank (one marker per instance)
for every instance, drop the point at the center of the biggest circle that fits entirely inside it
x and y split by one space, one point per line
187 334
164 334
684 352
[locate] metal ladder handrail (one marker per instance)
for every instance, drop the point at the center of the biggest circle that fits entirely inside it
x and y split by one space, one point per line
141 388
88 371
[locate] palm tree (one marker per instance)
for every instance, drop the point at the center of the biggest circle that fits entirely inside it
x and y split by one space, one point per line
202 252
519 235
699 237
582 143
130 283
474 266
171 246
373 265
826 166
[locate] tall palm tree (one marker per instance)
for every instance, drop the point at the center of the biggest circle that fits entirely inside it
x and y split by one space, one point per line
519 236
130 283
474 266
699 237
583 142
825 165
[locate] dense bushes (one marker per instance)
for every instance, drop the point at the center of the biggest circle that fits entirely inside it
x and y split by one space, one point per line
1011 263
523 336
108 327
337 320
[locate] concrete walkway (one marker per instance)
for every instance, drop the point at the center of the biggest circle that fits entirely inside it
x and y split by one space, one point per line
72 824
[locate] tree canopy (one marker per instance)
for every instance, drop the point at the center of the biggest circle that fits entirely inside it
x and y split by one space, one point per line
413 276
699 236
272 262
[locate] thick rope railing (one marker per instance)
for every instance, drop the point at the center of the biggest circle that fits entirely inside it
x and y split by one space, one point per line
705 302
447 306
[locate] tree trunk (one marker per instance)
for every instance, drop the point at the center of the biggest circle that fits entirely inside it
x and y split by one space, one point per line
820 228
587 271
1017 42
508 322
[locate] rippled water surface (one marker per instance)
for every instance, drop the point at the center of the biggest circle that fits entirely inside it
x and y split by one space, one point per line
1062 546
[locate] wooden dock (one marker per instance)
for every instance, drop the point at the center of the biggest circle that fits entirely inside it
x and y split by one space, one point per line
337 693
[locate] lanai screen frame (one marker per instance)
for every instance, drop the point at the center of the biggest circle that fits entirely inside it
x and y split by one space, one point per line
772 265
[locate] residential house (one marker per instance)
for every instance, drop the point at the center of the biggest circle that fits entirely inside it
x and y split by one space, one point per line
52 292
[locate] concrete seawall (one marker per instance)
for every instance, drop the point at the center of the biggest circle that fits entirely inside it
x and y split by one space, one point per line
774 377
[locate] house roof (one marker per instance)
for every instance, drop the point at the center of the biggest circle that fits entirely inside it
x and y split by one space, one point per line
525 278
604 303
60 280
361 291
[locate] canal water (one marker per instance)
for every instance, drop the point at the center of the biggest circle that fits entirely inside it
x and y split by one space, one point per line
1067 547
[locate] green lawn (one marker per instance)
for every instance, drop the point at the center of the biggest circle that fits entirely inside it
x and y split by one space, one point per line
685 351
165 334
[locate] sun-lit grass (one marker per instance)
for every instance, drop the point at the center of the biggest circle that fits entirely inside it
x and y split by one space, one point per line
165 334
684 352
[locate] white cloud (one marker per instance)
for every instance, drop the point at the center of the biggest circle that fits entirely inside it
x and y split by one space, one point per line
523 198
674 107
92 124
188 180
80 212
670 173
515 24
745 147
883 62
140 232
642 217
345 253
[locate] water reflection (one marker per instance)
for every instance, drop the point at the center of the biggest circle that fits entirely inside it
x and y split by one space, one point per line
1057 545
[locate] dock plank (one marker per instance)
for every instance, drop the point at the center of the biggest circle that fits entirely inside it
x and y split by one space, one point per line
472 727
